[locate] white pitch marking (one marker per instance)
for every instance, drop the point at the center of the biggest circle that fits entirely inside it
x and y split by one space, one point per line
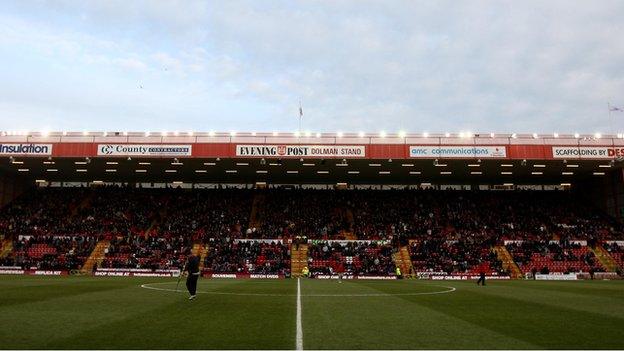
299 327
450 289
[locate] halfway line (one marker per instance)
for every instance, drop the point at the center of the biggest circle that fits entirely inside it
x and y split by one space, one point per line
299 328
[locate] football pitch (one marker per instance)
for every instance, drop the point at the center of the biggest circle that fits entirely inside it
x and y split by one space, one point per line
147 313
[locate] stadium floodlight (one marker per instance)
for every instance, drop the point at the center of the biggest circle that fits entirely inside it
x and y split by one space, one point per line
447 134
308 134
597 135
322 172
111 170
461 134
340 134
414 172
211 133
353 172
292 172
402 134
64 133
147 134
190 133
446 172
175 133
506 173
567 173
85 133
382 134
104 134
170 171
577 135
476 173
296 134
384 172
125 133
425 135
556 135
253 133
45 133
275 133
52 170
537 173
361 134
22 169
492 135
514 136
81 170
318 135
534 135
233 133
599 173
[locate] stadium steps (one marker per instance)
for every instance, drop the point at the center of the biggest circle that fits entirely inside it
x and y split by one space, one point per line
96 257
255 219
349 235
402 260
298 259
6 246
604 258
508 263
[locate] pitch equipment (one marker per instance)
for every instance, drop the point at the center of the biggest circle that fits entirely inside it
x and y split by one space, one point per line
180 276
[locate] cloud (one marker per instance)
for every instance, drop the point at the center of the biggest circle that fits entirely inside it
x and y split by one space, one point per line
435 66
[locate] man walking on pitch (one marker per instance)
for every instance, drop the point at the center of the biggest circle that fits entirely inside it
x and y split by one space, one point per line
192 268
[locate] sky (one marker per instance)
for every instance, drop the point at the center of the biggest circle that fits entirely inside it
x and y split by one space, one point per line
414 66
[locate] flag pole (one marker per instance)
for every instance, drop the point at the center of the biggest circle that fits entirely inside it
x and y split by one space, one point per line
610 117
300 115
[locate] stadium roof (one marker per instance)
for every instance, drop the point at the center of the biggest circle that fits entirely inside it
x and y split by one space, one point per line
465 158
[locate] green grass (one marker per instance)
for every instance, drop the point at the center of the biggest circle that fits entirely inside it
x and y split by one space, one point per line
116 313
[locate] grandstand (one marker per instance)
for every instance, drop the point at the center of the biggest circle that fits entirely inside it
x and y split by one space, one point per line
266 205
455 204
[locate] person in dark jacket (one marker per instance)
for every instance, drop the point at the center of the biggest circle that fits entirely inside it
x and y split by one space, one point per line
481 278
192 268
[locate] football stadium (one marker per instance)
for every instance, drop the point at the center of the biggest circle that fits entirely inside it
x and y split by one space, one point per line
350 241
311 175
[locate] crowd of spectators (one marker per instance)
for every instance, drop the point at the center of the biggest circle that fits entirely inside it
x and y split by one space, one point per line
553 256
50 252
465 256
472 220
353 258
136 251
258 257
